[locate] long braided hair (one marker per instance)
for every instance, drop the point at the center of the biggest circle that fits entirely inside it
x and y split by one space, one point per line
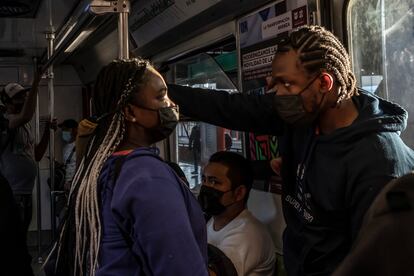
318 50
78 244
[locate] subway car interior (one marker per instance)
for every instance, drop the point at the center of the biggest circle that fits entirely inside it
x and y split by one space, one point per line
221 45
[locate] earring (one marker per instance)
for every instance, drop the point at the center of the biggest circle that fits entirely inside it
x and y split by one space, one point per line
134 120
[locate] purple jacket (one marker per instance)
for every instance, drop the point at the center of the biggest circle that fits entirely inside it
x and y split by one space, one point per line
151 222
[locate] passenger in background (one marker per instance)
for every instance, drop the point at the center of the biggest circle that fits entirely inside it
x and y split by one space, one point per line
69 131
227 180
129 214
18 153
195 146
228 141
339 145
15 259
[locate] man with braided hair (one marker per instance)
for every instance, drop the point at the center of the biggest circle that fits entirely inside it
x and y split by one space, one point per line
129 213
339 145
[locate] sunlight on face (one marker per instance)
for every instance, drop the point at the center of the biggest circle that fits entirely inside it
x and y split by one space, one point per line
289 77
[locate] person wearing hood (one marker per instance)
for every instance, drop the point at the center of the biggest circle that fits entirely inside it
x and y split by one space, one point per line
339 145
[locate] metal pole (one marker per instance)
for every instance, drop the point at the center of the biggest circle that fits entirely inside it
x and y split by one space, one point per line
50 37
240 82
38 180
384 51
122 8
123 38
318 12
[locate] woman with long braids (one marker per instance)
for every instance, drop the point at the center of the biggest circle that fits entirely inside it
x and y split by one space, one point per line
339 145
129 213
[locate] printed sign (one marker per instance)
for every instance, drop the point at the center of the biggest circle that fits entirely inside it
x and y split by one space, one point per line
263 146
259 58
299 17
277 25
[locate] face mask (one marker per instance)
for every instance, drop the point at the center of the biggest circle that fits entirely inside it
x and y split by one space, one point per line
291 108
169 117
66 136
209 200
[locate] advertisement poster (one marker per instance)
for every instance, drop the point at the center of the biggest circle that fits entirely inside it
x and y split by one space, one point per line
259 34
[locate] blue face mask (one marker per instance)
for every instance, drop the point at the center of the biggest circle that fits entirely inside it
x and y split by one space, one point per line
66 136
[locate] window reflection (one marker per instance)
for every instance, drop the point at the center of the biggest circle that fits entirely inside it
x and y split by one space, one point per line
197 141
382 48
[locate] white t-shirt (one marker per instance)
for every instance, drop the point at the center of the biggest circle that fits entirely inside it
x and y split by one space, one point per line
247 243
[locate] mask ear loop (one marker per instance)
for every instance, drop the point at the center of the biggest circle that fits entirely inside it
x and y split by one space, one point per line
308 85
329 79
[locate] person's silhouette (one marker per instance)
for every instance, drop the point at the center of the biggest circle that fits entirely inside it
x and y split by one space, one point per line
195 146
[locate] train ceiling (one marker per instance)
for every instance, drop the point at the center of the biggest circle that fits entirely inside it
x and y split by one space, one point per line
19 8
23 24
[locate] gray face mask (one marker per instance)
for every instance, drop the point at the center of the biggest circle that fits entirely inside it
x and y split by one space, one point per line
290 108
169 117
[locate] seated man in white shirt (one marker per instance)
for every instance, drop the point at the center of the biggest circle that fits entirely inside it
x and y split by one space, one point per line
227 180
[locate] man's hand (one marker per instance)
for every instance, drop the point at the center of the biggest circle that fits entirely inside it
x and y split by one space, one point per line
49 124
52 124
276 165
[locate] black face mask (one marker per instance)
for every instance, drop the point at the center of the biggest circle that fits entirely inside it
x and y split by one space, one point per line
169 117
291 108
209 199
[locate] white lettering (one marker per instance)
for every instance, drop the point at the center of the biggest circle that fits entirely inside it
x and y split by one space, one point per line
258 58
277 25
302 211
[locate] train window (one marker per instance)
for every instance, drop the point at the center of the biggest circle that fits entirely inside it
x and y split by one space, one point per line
382 48
197 141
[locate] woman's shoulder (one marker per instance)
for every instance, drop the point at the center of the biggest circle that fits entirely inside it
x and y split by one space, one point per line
146 165
144 158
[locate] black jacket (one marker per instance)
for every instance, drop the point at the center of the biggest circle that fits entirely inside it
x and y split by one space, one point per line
385 244
15 259
329 180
